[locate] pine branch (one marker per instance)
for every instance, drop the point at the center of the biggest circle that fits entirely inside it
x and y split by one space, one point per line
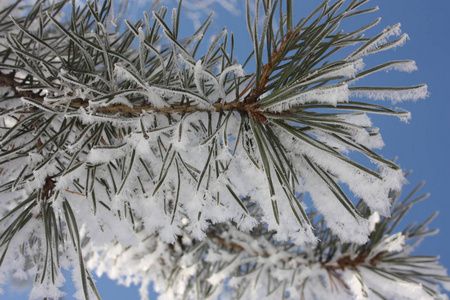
8 80
231 262
135 138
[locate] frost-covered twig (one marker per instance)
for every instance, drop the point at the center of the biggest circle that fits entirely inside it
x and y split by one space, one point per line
232 263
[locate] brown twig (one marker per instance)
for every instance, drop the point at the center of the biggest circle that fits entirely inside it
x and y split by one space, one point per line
8 80
268 69
342 263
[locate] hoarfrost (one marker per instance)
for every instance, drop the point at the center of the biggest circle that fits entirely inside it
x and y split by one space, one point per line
50 288
391 243
373 221
393 288
332 94
394 95
348 70
374 45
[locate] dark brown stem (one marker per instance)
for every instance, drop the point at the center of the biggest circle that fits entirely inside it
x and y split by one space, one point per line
342 263
8 80
268 69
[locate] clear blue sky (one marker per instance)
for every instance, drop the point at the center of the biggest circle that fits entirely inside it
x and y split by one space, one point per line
421 146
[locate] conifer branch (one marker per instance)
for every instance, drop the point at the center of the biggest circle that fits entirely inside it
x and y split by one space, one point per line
114 153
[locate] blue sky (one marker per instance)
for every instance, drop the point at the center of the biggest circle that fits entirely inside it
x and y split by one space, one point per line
421 146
